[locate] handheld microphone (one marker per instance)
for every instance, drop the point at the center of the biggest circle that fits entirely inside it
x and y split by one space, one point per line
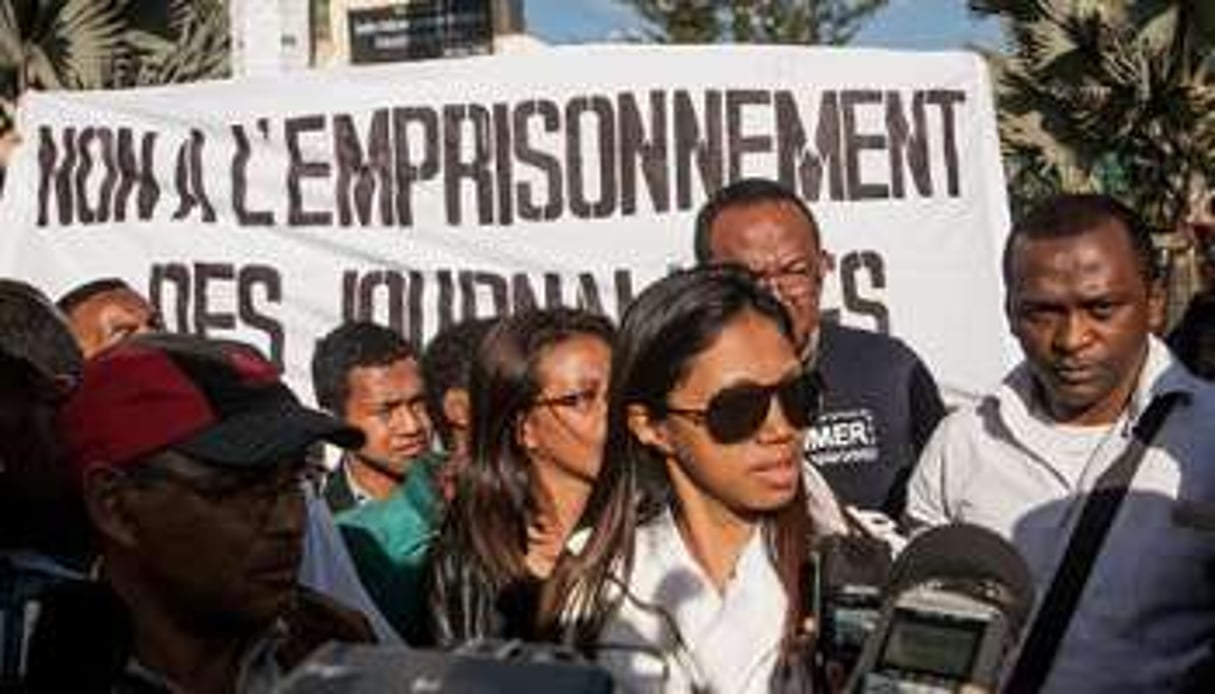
958 598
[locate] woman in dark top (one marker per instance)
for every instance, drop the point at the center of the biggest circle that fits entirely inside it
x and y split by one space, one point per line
537 393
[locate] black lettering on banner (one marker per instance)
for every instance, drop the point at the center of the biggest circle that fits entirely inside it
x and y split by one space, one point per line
476 170
49 177
550 117
688 142
103 137
909 142
298 168
85 213
206 275
651 151
456 295
350 303
469 281
738 143
575 162
132 173
946 99
552 289
502 172
850 269
591 156
393 286
175 276
195 290
359 168
189 177
588 294
447 298
408 171
522 292
268 278
856 142
801 167
240 178
416 327
623 280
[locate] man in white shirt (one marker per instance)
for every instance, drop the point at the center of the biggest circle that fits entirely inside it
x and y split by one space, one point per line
1082 295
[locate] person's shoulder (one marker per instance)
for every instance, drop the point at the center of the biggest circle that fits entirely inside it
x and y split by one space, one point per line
968 421
381 515
1199 407
837 339
315 619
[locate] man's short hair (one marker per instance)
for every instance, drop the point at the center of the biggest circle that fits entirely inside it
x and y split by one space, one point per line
446 364
347 347
741 193
1072 214
82 293
33 331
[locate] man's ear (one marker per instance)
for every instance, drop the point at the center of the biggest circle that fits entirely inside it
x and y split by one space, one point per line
1010 314
106 500
826 263
649 431
456 407
1157 307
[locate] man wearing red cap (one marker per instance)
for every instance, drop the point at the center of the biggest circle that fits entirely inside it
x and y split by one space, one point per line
190 456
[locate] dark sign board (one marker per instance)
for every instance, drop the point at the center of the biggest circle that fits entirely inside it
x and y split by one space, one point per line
419 29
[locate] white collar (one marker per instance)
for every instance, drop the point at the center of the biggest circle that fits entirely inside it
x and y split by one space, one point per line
1160 374
733 636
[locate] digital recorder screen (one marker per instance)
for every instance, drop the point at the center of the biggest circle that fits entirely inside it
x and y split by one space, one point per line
937 645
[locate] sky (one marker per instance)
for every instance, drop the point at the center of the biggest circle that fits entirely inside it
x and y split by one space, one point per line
907 24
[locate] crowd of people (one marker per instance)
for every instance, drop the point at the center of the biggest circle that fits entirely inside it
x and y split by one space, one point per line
174 519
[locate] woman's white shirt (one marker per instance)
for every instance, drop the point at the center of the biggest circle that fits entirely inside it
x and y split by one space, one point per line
674 632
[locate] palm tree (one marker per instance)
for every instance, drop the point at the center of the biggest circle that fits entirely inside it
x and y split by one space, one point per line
92 44
60 43
1113 95
755 21
193 43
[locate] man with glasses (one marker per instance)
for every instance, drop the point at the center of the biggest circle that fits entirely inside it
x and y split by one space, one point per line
191 456
881 403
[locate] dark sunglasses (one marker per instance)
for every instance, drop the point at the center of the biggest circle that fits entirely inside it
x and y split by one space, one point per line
734 414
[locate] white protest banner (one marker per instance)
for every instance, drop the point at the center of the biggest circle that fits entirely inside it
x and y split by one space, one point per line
420 194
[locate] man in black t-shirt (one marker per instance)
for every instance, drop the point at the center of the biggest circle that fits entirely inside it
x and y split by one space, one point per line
881 403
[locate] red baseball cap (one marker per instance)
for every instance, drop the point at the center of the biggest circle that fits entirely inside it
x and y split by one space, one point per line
218 401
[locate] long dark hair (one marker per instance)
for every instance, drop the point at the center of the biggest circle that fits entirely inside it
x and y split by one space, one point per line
669 324
485 528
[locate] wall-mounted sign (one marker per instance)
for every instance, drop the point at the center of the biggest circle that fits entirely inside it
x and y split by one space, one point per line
419 29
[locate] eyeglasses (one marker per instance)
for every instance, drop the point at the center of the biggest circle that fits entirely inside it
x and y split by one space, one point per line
584 400
797 279
734 414
253 493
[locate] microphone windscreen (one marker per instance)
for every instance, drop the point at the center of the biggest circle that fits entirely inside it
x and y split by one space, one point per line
961 553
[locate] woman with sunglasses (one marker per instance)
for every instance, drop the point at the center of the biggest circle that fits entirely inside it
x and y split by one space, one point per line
691 577
537 394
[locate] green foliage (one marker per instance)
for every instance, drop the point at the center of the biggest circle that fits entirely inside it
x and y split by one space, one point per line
98 44
1115 96
195 46
755 21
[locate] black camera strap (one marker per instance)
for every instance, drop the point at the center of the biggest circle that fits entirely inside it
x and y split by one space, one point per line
1100 507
